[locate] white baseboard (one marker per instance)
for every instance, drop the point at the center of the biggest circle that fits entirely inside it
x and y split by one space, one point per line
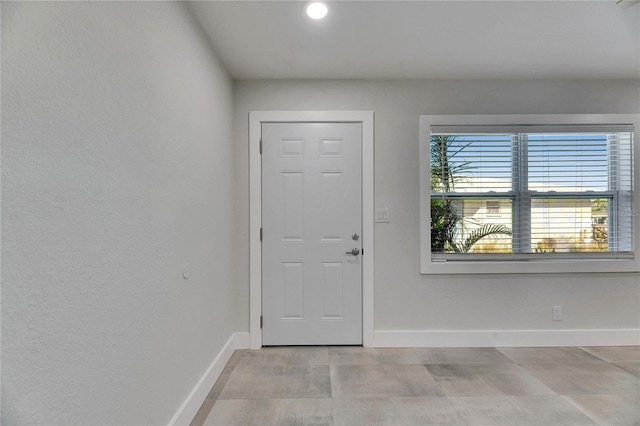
243 340
505 338
196 397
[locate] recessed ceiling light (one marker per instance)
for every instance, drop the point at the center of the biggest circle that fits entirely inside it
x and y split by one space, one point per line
317 10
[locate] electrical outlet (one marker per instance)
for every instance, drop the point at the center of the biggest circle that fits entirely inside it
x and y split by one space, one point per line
557 313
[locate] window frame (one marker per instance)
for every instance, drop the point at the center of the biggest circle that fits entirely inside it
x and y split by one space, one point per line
539 264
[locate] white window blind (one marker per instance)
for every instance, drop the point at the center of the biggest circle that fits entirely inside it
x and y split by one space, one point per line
530 191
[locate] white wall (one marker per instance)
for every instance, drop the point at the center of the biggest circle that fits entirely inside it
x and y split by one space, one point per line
116 172
404 299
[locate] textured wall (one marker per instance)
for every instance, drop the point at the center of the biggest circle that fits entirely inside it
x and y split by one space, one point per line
116 172
404 299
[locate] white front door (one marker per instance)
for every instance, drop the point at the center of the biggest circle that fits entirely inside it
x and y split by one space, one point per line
312 226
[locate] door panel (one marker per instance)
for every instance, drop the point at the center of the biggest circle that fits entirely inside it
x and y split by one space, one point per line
331 214
292 290
311 206
291 205
332 290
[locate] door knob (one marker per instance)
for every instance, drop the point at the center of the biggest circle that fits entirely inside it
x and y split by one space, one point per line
354 251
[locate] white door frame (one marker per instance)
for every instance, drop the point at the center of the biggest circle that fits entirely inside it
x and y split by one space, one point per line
256 118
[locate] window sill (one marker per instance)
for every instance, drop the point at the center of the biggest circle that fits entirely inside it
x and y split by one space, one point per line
538 266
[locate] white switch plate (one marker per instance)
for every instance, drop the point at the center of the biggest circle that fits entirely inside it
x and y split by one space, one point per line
383 215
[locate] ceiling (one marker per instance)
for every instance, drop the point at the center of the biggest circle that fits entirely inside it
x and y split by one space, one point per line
424 39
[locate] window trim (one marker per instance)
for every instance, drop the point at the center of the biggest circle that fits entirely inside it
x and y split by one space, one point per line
538 264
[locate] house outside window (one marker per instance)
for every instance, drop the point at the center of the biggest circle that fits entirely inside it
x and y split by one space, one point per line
550 193
493 207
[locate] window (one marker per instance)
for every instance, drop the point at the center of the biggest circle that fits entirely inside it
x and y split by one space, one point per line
493 207
532 190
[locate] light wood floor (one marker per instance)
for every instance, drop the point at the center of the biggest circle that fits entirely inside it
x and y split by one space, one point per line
426 386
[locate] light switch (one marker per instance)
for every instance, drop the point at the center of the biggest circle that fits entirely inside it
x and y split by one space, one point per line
383 215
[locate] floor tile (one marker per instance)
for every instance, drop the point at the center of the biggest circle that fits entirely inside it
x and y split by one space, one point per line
547 355
393 411
518 410
609 409
349 355
284 356
234 357
615 354
585 378
460 356
630 367
273 381
202 414
271 412
486 380
382 380
352 386
220 383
